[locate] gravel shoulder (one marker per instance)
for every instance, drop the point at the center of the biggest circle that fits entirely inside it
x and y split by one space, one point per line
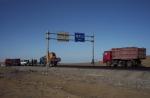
36 82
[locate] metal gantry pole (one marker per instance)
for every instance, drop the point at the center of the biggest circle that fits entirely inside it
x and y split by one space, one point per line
93 62
48 38
47 52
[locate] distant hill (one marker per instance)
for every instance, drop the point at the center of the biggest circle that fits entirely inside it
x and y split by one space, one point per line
146 62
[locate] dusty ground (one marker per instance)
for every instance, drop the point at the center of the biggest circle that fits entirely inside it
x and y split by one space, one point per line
73 83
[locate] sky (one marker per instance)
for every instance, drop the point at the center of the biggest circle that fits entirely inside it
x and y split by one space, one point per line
115 23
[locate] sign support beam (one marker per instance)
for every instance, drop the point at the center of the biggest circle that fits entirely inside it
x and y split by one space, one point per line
93 62
47 53
65 37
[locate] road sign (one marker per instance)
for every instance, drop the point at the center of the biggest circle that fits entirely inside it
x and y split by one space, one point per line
79 37
63 36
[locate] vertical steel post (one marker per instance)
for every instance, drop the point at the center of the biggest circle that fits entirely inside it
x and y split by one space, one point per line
47 53
93 62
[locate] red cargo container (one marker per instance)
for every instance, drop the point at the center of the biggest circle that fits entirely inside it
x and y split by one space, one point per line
12 62
128 56
128 53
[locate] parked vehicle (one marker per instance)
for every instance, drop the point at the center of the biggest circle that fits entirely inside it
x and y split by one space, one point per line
43 60
33 62
127 56
12 62
24 62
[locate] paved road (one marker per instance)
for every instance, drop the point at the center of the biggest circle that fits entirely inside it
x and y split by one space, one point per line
82 66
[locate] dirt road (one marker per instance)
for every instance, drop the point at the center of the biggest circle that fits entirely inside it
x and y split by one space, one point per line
29 82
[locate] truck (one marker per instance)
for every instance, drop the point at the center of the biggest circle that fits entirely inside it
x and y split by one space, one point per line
12 62
126 56
52 59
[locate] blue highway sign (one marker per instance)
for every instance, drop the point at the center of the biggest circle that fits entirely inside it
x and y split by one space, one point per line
79 37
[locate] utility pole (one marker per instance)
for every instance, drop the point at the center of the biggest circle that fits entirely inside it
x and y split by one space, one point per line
93 62
47 53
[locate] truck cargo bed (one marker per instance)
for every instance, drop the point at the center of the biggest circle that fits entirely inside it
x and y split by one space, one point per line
128 53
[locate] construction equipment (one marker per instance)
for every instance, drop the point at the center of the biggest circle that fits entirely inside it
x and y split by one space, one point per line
51 59
127 56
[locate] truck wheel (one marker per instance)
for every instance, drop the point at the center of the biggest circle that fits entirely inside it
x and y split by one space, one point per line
51 64
134 64
139 63
115 63
124 63
55 63
108 64
120 64
129 64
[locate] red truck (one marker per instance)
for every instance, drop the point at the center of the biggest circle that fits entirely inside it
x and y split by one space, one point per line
127 56
12 62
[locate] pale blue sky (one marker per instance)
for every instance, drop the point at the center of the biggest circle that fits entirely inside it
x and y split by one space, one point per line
115 23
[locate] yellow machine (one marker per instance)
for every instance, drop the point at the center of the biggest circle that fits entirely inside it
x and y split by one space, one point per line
52 60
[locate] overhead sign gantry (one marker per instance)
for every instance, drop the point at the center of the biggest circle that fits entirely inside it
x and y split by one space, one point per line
65 37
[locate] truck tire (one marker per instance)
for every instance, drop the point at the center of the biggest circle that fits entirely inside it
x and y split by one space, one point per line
55 63
108 64
137 63
129 63
115 63
124 63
